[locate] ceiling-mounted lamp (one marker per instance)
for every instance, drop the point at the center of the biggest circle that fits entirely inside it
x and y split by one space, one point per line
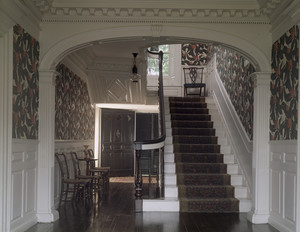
134 77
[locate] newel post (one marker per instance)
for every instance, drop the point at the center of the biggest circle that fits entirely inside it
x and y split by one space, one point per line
260 211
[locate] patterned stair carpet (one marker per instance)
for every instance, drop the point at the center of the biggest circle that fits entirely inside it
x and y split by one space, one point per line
203 182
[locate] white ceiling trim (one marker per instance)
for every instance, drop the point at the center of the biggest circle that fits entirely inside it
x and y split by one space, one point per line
142 12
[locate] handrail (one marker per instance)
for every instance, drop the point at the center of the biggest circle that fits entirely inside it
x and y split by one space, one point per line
138 145
157 143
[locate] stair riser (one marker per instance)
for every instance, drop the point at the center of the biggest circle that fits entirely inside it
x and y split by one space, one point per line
188 111
195 158
192 124
186 99
210 206
200 132
241 192
206 192
195 139
188 104
193 148
201 168
191 117
170 179
203 180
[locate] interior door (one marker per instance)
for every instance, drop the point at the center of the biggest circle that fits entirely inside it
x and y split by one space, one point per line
117 136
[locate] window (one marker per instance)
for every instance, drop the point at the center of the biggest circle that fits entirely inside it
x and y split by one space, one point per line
153 69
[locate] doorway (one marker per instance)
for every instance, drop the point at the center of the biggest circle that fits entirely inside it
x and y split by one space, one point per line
117 136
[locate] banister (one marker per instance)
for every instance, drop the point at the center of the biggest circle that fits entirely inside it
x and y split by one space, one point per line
157 143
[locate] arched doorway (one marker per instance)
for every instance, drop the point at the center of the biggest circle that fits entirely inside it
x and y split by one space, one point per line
55 53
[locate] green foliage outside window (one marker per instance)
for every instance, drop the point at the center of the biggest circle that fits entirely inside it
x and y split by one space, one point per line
153 68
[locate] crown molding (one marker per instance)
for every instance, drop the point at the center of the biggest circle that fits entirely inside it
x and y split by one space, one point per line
288 17
213 11
132 15
13 12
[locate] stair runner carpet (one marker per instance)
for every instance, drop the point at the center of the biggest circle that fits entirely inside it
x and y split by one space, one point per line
203 182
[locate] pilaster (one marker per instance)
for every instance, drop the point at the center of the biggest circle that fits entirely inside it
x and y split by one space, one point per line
45 201
6 70
298 156
260 161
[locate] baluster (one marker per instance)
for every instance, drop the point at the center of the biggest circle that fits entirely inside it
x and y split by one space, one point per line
138 182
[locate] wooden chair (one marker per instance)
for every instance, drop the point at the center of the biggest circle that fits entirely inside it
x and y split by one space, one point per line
193 79
95 180
78 187
103 172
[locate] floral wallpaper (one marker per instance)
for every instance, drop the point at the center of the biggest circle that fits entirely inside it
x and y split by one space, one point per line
194 54
234 71
26 50
74 113
284 86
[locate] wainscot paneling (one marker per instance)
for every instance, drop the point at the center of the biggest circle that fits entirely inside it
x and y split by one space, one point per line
23 184
283 168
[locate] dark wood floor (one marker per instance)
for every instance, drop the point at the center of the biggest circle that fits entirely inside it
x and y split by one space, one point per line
115 213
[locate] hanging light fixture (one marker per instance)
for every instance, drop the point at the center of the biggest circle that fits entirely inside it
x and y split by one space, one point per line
134 77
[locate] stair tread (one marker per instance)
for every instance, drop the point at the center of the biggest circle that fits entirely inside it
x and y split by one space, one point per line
198 153
208 199
205 186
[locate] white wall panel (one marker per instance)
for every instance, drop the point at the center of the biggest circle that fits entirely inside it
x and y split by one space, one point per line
23 184
30 183
17 194
275 190
283 160
289 196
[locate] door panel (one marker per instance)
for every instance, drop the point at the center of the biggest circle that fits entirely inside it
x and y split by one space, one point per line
117 135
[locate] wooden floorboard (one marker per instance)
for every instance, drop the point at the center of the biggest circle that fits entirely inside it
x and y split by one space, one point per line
115 213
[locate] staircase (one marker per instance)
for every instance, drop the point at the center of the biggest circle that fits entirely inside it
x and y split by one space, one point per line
204 184
173 182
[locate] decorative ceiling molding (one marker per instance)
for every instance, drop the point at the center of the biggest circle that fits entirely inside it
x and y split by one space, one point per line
14 12
284 17
233 13
114 15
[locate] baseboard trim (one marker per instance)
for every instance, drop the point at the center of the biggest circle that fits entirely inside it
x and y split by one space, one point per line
23 224
258 218
48 217
279 225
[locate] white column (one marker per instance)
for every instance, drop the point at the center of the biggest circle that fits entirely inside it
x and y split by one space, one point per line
6 69
45 201
260 162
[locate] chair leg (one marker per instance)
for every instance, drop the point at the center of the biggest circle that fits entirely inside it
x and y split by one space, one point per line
67 191
61 194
